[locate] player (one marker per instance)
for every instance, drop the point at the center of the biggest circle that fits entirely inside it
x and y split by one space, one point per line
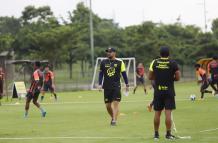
213 71
111 70
2 78
204 80
140 72
48 83
34 90
164 72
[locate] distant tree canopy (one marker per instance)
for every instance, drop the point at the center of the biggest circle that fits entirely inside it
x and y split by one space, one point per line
38 34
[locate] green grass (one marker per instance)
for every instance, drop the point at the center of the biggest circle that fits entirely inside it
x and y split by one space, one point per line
83 114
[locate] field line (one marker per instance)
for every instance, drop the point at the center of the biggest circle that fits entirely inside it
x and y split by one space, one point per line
209 130
50 138
84 102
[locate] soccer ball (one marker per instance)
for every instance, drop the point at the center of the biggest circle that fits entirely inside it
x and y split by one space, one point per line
192 97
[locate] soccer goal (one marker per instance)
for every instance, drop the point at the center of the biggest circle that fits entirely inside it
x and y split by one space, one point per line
130 64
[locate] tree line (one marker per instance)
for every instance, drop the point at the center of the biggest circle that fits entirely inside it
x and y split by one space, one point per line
38 34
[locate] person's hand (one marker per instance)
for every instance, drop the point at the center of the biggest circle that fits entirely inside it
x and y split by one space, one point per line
127 88
99 87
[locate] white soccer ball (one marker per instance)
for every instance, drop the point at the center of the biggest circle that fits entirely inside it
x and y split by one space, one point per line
192 97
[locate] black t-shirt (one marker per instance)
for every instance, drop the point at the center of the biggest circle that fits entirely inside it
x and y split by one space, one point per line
112 70
164 71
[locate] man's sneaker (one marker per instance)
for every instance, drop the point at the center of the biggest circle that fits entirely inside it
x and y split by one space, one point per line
213 92
170 137
25 115
113 123
156 137
43 114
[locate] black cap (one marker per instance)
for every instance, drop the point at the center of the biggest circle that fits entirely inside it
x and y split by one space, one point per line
110 50
164 51
215 57
37 63
197 65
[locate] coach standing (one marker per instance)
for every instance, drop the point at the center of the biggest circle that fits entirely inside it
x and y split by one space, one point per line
164 71
111 70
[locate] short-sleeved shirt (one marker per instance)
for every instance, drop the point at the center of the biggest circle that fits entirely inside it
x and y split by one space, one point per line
48 77
213 69
164 70
202 74
112 70
37 80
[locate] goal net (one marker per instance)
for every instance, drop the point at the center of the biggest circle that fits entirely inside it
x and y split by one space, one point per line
130 64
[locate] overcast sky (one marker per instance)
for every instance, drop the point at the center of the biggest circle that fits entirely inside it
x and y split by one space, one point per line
127 12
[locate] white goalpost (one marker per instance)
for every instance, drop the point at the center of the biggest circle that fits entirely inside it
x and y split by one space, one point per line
130 64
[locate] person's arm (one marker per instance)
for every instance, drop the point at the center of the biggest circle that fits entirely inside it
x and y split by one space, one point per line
176 71
123 72
52 79
151 71
177 76
100 76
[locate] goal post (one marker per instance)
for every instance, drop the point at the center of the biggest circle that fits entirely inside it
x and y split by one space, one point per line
130 64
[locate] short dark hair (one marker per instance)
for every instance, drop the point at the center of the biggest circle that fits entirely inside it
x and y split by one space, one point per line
215 57
164 51
197 65
37 64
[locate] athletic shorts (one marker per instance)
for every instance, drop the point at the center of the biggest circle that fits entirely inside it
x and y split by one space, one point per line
166 102
140 80
111 95
34 96
48 87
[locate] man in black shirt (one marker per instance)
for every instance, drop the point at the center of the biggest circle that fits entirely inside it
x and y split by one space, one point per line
111 70
164 72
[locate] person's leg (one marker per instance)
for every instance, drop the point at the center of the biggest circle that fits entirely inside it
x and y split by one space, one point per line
115 109
168 121
134 90
213 86
157 115
27 105
109 109
42 95
35 102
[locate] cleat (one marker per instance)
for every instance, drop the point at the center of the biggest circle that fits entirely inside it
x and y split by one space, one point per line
170 137
156 137
113 123
43 114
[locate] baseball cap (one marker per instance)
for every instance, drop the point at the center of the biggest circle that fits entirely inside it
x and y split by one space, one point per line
110 50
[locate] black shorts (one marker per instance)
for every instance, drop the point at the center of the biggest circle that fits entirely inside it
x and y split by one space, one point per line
48 87
140 80
166 102
34 96
111 95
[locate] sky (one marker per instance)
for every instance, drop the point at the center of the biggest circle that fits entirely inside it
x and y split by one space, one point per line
127 12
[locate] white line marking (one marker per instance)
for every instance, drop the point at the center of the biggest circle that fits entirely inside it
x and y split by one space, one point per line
49 138
209 130
84 102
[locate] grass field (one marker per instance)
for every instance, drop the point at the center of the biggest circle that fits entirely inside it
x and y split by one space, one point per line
80 117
